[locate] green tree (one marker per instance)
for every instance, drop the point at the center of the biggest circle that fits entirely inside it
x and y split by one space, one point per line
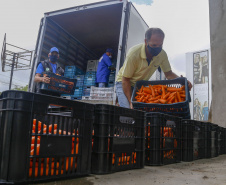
25 88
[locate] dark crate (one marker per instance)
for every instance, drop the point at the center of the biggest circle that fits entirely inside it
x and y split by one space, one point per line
111 84
70 69
180 109
78 91
90 78
211 140
80 83
193 140
88 82
27 153
71 76
58 84
73 70
221 140
80 77
162 139
86 90
118 139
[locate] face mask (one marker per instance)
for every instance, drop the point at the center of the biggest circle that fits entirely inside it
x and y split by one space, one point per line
53 58
154 51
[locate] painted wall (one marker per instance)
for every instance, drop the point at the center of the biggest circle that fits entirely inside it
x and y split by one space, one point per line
190 76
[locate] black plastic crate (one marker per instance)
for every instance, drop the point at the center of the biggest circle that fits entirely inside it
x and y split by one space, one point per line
180 109
58 84
118 139
40 141
221 140
211 140
162 139
193 140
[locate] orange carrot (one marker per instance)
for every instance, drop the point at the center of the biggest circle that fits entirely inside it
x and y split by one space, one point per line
141 89
153 92
178 96
147 90
163 101
166 96
171 100
163 91
173 89
183 96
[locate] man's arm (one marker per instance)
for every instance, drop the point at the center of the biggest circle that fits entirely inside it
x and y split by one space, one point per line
44 79
126 86
171 75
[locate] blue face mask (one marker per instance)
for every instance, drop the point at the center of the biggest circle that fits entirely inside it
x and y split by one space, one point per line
53 58
154 51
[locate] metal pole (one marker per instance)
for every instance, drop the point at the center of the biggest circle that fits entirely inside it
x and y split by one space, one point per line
11 76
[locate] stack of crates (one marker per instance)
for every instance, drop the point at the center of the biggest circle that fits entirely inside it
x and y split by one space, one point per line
71 71
211 139
89 80
193 140
111 80
78 89
92 65
98 93
221 140
118 139
48 145
162 139
86 91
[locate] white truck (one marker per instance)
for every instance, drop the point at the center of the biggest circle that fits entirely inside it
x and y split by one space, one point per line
84 32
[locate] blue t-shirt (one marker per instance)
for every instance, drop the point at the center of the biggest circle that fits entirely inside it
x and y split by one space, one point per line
103 70
40 68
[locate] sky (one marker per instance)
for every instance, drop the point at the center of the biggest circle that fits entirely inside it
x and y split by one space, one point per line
185 23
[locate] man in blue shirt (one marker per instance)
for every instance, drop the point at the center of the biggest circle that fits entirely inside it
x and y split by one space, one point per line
104 68
49 65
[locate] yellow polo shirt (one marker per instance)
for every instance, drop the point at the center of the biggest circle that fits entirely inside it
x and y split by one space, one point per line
136 66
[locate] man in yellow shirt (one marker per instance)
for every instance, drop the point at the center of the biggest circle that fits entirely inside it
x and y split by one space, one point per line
141 62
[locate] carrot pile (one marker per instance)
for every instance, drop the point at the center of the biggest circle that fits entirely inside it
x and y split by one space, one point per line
167 133
125 159
51 163
161 94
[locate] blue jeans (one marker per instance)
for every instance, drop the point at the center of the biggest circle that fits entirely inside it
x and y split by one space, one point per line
102 84
122 99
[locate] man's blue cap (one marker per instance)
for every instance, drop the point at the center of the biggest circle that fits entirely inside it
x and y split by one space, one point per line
109 50
54 49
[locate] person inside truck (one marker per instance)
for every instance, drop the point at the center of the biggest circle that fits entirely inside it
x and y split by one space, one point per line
104 68
141 62
49 65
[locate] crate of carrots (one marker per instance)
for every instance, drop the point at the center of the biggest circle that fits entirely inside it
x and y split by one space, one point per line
118 139
165 96
37 144
162 139
58 84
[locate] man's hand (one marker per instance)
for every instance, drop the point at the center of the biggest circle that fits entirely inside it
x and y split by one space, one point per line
46 79
189 85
